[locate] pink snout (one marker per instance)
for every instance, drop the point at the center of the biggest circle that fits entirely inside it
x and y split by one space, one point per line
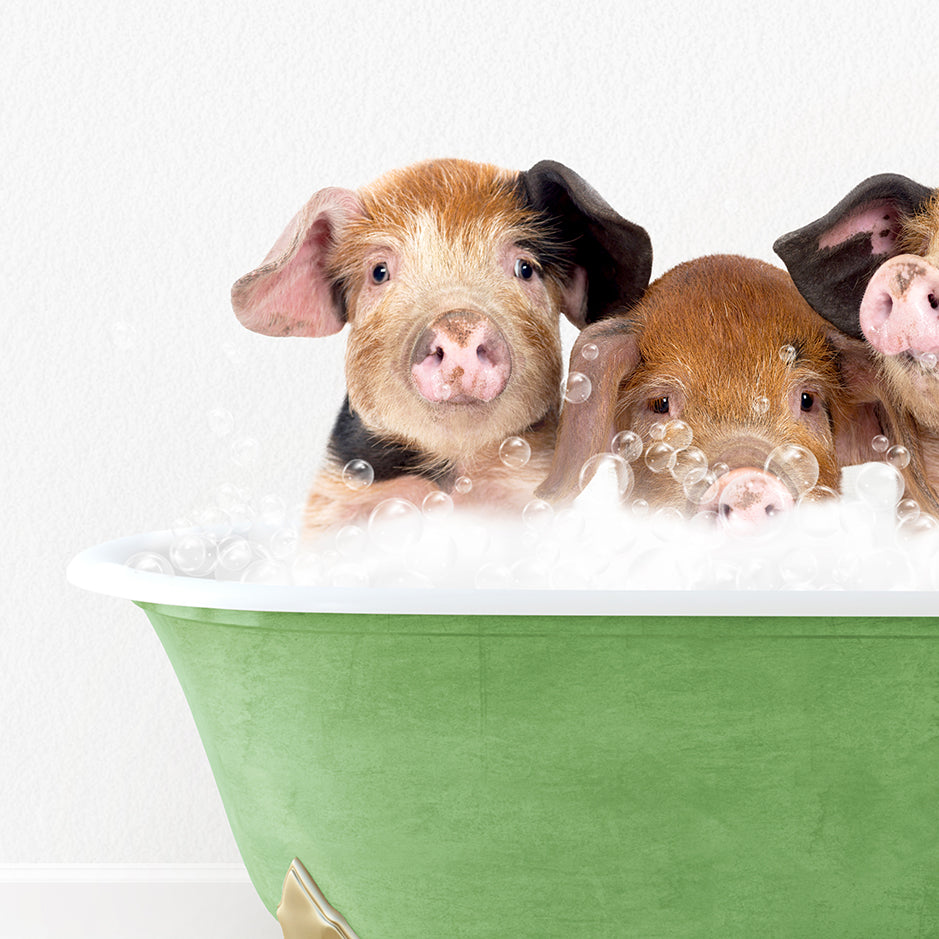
900 309
746 498
461 358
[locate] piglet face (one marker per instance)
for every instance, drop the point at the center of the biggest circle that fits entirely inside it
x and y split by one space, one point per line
731 382
871 267
453 316
729 350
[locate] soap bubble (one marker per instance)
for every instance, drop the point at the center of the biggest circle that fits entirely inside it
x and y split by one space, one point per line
590 351
283 543
927 361
228 495
794 465
628 445
234 554
463 485
215 522
787 354
639 508
657 431
879 485
514 452
720 469
689 460
272 510
880 444
351 541
358 474
760 404
700 488
192 554
150 562
677 434
898 456
537 514
266 571
242 517
907 508
395 524
437 505
660 457
577 388
221 421
608 466
917 525
245 450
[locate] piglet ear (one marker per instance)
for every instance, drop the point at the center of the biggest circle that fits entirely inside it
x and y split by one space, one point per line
832 259
613 255
586 428
291 293
866 409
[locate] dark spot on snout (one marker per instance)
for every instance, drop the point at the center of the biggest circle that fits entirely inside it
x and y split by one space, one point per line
906 274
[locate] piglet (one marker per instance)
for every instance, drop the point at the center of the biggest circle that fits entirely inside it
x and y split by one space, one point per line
451 276
871 267
735 386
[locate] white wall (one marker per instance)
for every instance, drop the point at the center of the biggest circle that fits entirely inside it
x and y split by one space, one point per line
150 155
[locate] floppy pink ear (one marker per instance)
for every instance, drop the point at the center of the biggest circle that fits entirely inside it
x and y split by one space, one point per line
291 293
586 428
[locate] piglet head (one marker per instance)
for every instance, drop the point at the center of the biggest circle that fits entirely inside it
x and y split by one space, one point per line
871 267
452 277
730 382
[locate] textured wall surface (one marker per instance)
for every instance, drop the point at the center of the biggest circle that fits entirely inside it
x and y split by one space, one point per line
151 153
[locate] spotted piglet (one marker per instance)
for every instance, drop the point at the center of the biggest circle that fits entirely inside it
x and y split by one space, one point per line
734 390
451 276
871 267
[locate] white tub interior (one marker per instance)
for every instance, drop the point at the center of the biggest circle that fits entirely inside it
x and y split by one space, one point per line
103 569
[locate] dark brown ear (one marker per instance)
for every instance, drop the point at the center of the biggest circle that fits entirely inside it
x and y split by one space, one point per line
616 254
586 428
832 259
867 409
291 293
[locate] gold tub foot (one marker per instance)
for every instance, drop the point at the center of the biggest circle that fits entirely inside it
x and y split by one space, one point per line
304 913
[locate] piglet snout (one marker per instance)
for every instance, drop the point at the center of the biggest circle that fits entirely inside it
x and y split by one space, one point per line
462 357
900 309
746 498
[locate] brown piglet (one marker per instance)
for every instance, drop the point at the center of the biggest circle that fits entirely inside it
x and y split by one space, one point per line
738 390
871 267
451 277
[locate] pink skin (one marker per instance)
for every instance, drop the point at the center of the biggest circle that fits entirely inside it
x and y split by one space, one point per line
900 309
461 358
747 497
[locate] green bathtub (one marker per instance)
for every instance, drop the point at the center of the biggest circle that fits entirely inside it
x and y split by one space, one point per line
555 764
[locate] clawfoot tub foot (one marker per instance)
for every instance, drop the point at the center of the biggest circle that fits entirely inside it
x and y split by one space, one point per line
304 913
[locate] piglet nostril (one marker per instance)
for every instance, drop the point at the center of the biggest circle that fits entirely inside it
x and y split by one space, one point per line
934 301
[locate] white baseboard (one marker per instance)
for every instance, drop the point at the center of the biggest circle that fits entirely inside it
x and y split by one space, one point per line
119 901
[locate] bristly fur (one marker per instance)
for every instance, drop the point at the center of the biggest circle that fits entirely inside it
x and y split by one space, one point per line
920 234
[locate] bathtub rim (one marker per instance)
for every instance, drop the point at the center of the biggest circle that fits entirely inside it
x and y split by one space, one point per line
102 569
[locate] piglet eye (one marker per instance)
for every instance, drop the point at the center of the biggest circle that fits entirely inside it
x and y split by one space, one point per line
380 273
808 399
659 405
524 269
